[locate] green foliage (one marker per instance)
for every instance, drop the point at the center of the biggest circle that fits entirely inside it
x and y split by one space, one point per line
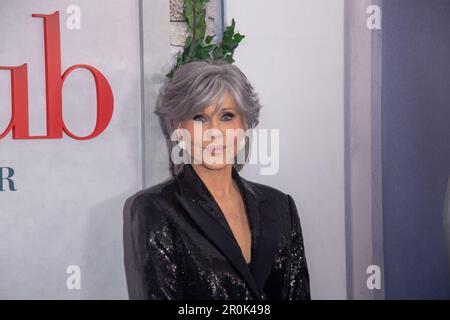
199 47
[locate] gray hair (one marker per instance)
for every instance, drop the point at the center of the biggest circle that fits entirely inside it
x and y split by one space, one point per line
195 86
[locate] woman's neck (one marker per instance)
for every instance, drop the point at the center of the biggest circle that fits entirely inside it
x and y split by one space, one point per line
218 181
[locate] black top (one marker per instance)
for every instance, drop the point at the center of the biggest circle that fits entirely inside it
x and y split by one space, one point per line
183 248
250 266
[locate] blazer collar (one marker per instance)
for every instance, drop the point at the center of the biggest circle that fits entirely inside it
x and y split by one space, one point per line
200 204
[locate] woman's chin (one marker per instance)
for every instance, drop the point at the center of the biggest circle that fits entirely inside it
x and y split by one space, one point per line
215 165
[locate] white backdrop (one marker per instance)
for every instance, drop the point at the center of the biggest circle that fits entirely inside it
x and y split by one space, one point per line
67 209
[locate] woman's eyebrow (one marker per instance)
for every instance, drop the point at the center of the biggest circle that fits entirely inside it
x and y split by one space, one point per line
227 108
220 110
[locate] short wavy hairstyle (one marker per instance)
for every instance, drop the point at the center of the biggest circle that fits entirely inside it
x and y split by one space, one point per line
197 85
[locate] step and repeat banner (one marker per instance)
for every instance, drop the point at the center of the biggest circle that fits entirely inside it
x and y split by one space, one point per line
70 145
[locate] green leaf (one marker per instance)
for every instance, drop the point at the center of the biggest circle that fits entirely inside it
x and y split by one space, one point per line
199 47
209 38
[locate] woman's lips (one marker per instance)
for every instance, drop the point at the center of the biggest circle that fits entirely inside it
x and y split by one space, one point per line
216 149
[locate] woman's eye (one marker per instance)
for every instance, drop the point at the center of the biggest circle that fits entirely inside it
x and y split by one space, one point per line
199 118
227 116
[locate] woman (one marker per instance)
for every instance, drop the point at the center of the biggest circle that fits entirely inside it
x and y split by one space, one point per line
208 233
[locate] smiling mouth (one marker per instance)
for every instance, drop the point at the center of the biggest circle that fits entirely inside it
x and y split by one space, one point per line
216 149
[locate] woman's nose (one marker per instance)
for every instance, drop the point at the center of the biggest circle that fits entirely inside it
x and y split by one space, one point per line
216 128
215 124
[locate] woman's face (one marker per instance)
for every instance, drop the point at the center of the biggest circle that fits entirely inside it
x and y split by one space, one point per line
215 136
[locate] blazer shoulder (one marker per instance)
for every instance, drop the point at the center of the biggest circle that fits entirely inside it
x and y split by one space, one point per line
282 201
157 196
269 192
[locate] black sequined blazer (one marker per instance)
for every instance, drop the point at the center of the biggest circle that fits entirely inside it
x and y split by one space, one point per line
183 248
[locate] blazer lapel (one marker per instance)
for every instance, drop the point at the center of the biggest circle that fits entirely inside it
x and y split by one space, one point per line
221 239
199 203
265 231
